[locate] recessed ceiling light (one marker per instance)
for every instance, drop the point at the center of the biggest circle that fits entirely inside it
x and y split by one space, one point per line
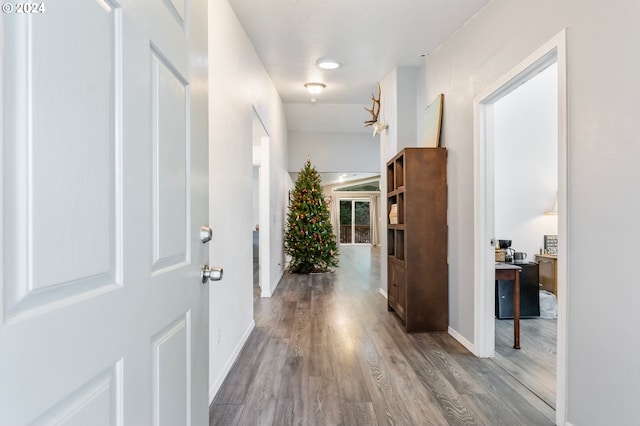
315 88
328 64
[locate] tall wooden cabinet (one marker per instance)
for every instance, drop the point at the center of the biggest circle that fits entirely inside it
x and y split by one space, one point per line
418 273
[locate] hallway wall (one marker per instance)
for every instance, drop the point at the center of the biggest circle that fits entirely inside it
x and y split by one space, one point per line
603 203
398 105
334 152
238 84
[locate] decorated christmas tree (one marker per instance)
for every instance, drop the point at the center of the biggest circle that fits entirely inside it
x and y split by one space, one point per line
309 238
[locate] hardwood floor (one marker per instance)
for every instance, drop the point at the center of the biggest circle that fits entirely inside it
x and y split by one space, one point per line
534 365
325 351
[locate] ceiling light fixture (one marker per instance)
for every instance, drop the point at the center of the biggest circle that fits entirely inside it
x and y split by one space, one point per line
315 88
328 64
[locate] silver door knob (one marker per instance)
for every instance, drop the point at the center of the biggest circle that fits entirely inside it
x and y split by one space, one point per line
213 274
205 234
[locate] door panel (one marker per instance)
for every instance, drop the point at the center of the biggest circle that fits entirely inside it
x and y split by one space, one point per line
392 286
171 369
355 222
48 264
103 317
57 233
99 402
178 10
401 281
362 222
397 288
346 217
169 97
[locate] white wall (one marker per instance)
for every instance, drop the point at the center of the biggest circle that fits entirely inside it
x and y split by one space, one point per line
334 152
406 102
603 174
526 162
397 109
238 83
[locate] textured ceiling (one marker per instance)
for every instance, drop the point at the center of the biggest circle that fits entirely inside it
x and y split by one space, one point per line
369 37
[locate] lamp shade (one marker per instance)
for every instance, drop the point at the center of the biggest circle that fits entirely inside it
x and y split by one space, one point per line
554 206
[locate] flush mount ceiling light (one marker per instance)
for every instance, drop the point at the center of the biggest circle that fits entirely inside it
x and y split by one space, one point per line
328 64
315 88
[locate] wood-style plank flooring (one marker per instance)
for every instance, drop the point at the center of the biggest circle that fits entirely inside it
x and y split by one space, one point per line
534 365
325 351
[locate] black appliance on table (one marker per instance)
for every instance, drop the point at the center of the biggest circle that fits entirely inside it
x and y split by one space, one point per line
529 293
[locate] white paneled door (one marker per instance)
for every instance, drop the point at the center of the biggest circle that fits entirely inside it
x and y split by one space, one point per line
103 316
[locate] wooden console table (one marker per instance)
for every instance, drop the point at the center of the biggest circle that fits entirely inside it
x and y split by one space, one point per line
506 271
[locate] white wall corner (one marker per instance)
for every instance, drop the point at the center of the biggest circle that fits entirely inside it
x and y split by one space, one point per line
383 292
276 283
215 387
255 154
266 291
463 341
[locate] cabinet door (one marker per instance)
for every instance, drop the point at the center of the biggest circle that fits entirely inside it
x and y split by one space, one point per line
401 288
547 274
396 288
392 292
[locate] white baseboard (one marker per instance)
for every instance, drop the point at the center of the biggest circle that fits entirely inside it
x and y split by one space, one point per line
270 290
463 341
213 390
383 292
279 280
265 294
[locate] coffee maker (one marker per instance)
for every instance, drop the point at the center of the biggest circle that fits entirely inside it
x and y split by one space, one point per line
504 252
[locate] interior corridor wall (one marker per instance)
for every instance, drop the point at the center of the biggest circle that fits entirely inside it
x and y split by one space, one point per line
334 152
603 63
238 84
397 110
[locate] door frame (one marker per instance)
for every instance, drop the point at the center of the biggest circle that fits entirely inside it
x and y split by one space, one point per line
484 281
264 247
261 143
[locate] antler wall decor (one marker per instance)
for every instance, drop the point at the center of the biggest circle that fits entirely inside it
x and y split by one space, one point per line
378 126
372 111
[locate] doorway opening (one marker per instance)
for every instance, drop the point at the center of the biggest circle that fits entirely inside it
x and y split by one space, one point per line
261 194
525 185
355 221
486 174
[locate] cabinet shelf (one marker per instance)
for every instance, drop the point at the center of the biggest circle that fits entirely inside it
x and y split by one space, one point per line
395 209
417 286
